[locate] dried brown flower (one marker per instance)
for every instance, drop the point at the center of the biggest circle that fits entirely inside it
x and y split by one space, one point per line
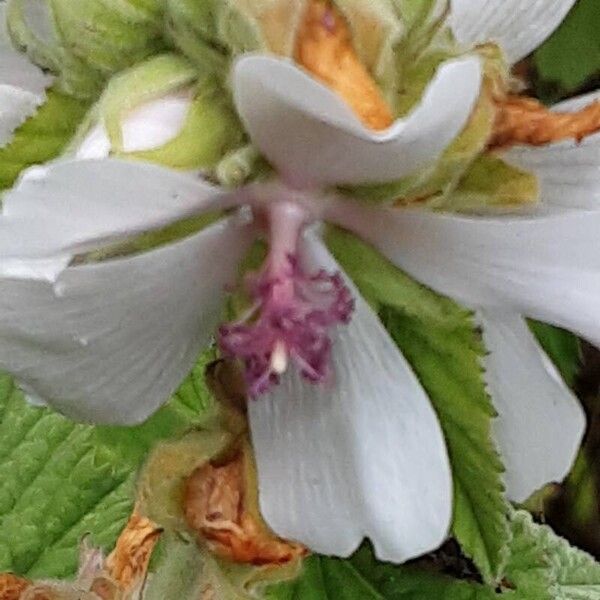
220 507
521 120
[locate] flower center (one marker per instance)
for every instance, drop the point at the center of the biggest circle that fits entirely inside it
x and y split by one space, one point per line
292 311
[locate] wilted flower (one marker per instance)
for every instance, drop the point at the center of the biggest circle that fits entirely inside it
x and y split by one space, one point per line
347 444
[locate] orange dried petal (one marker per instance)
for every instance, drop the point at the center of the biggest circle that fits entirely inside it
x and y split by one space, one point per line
217 506
522 120
11 586
324 48
128 562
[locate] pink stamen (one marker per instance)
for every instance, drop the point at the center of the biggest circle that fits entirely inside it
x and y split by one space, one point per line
295 313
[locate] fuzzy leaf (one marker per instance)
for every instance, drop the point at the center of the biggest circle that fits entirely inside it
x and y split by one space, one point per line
61 480
543 565
445 353
41 138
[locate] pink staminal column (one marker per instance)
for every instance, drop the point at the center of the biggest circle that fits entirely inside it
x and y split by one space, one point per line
293 312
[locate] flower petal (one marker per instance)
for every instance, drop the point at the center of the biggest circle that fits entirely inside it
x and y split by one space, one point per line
312 137
540 422
22 85
545 266
70 207
518 26
147 127
364 457
569 171
110 342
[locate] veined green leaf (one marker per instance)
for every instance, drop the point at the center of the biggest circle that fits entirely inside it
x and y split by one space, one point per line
450 371
61 480
42 137
543 565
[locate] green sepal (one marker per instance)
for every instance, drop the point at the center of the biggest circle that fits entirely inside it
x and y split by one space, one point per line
185 33
491 184
42 137
186 570
161 483
212 32
444 347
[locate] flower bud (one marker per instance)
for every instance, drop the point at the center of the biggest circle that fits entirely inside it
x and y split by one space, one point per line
86 41
161 112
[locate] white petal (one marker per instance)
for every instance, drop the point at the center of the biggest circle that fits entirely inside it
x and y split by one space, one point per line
364 457
149 126
73 206
312 137
110 342
540 422
569 171
545 266
22 85
519 26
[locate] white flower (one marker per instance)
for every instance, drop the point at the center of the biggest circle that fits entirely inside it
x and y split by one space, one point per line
109 342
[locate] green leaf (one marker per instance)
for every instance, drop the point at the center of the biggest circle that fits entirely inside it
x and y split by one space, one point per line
444 348
449 370
543 565
563 348
325 579
363 578
42 137
572 55
61 480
